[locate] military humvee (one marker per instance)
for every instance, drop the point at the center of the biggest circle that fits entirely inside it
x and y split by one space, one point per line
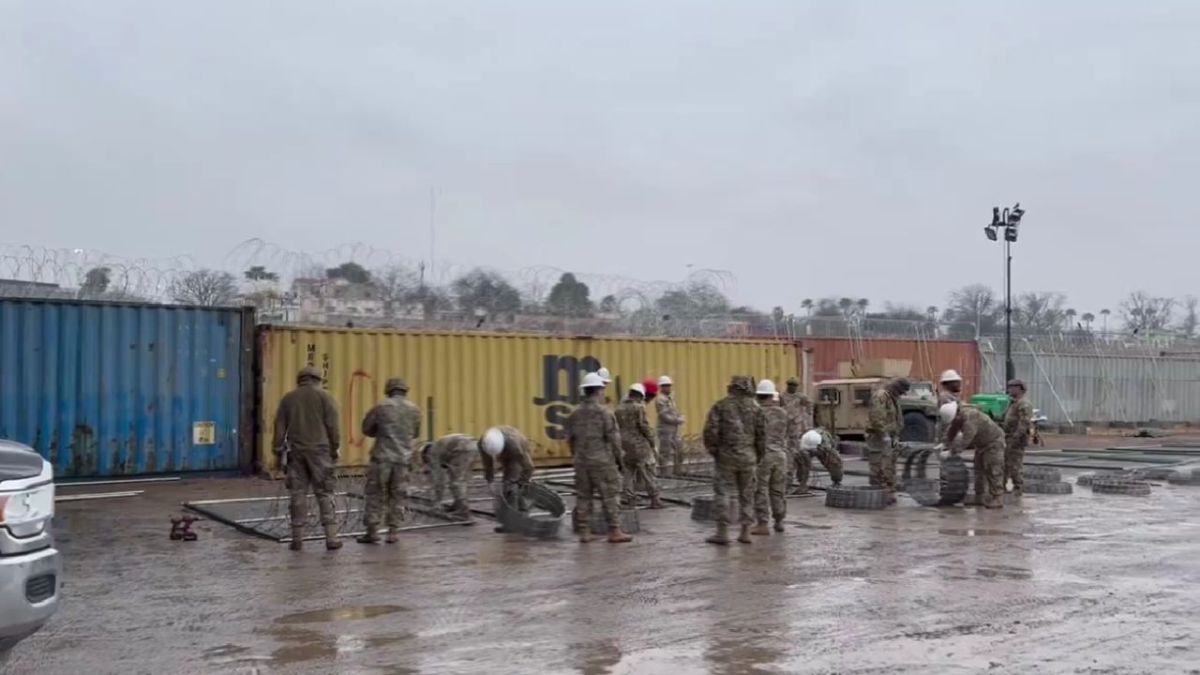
842 405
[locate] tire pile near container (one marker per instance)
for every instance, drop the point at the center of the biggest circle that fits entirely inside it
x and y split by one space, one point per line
1120 485
1044 480
858 497
546 525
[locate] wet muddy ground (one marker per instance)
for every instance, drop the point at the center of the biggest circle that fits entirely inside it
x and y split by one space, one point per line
1080 583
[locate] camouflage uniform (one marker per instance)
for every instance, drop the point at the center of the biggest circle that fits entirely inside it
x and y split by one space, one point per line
944 397
734 435
883 430
972 429
516 466
772 478
450 461
826 453
1018 420
638 444
595 442
393 423
306 425
799 406
670 446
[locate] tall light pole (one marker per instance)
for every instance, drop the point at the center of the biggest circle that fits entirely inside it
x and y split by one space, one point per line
1008 221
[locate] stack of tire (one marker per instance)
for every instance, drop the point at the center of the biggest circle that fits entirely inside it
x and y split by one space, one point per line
1120 485
858 497
1185 477
949 488
1044 480
546 524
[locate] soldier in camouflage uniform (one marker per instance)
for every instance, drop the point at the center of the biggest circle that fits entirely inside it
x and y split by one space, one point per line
949 391
449 460
735 436
884 423
638 444
393 423
1018 421
306 440
595 443
670 445
823 445
773 468
512 452
799 407
970 429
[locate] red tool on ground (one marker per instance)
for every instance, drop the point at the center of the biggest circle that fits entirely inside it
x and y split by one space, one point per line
181 528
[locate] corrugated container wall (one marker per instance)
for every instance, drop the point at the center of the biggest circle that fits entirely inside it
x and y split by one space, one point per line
478 380
929 357
121 389
1083 388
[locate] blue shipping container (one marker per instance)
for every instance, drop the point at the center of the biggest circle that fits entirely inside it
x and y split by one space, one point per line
103 389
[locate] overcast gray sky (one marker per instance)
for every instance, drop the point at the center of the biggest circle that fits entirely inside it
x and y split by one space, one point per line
836 148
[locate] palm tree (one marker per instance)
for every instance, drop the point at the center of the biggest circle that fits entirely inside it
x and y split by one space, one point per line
1070 314
807 305
1104 313
1088 318
862 305
932 312
845 304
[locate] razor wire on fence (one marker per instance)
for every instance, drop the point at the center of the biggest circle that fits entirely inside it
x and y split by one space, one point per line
359 285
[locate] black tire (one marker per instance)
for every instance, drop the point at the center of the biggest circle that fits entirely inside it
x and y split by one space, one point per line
545 498
1154 473
1037 487
917 428
1114 485
517 522
949 488
859 497
1086 479
1043 474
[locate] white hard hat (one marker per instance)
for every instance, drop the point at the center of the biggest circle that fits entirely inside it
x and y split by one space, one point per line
811 440
765 388
605 376
665 381
951 376
493 441
948 412
637 386
593 381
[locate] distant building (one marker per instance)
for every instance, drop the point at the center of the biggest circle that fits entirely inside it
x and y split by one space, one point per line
19 288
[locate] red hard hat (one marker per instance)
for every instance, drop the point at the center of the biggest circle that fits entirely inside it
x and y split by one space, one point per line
651 386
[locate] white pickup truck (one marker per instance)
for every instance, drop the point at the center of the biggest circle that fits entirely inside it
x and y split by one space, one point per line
30 569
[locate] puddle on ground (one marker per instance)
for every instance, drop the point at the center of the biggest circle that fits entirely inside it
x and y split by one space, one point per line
978 533
810 526
340 614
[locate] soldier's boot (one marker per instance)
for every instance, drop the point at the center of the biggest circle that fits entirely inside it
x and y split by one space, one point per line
656 502
393 535
371 536
761 529
779 524
744 537
585 534
332 543
460 509
616 536
297 539
721 538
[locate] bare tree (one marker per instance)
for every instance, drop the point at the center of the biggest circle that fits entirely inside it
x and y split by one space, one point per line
1039 312
975 305
395 284
1188 324
208 288
1143 312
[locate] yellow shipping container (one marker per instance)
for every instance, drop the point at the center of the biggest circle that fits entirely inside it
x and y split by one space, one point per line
468 382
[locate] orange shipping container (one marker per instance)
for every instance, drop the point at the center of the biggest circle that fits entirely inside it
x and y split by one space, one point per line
929 357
